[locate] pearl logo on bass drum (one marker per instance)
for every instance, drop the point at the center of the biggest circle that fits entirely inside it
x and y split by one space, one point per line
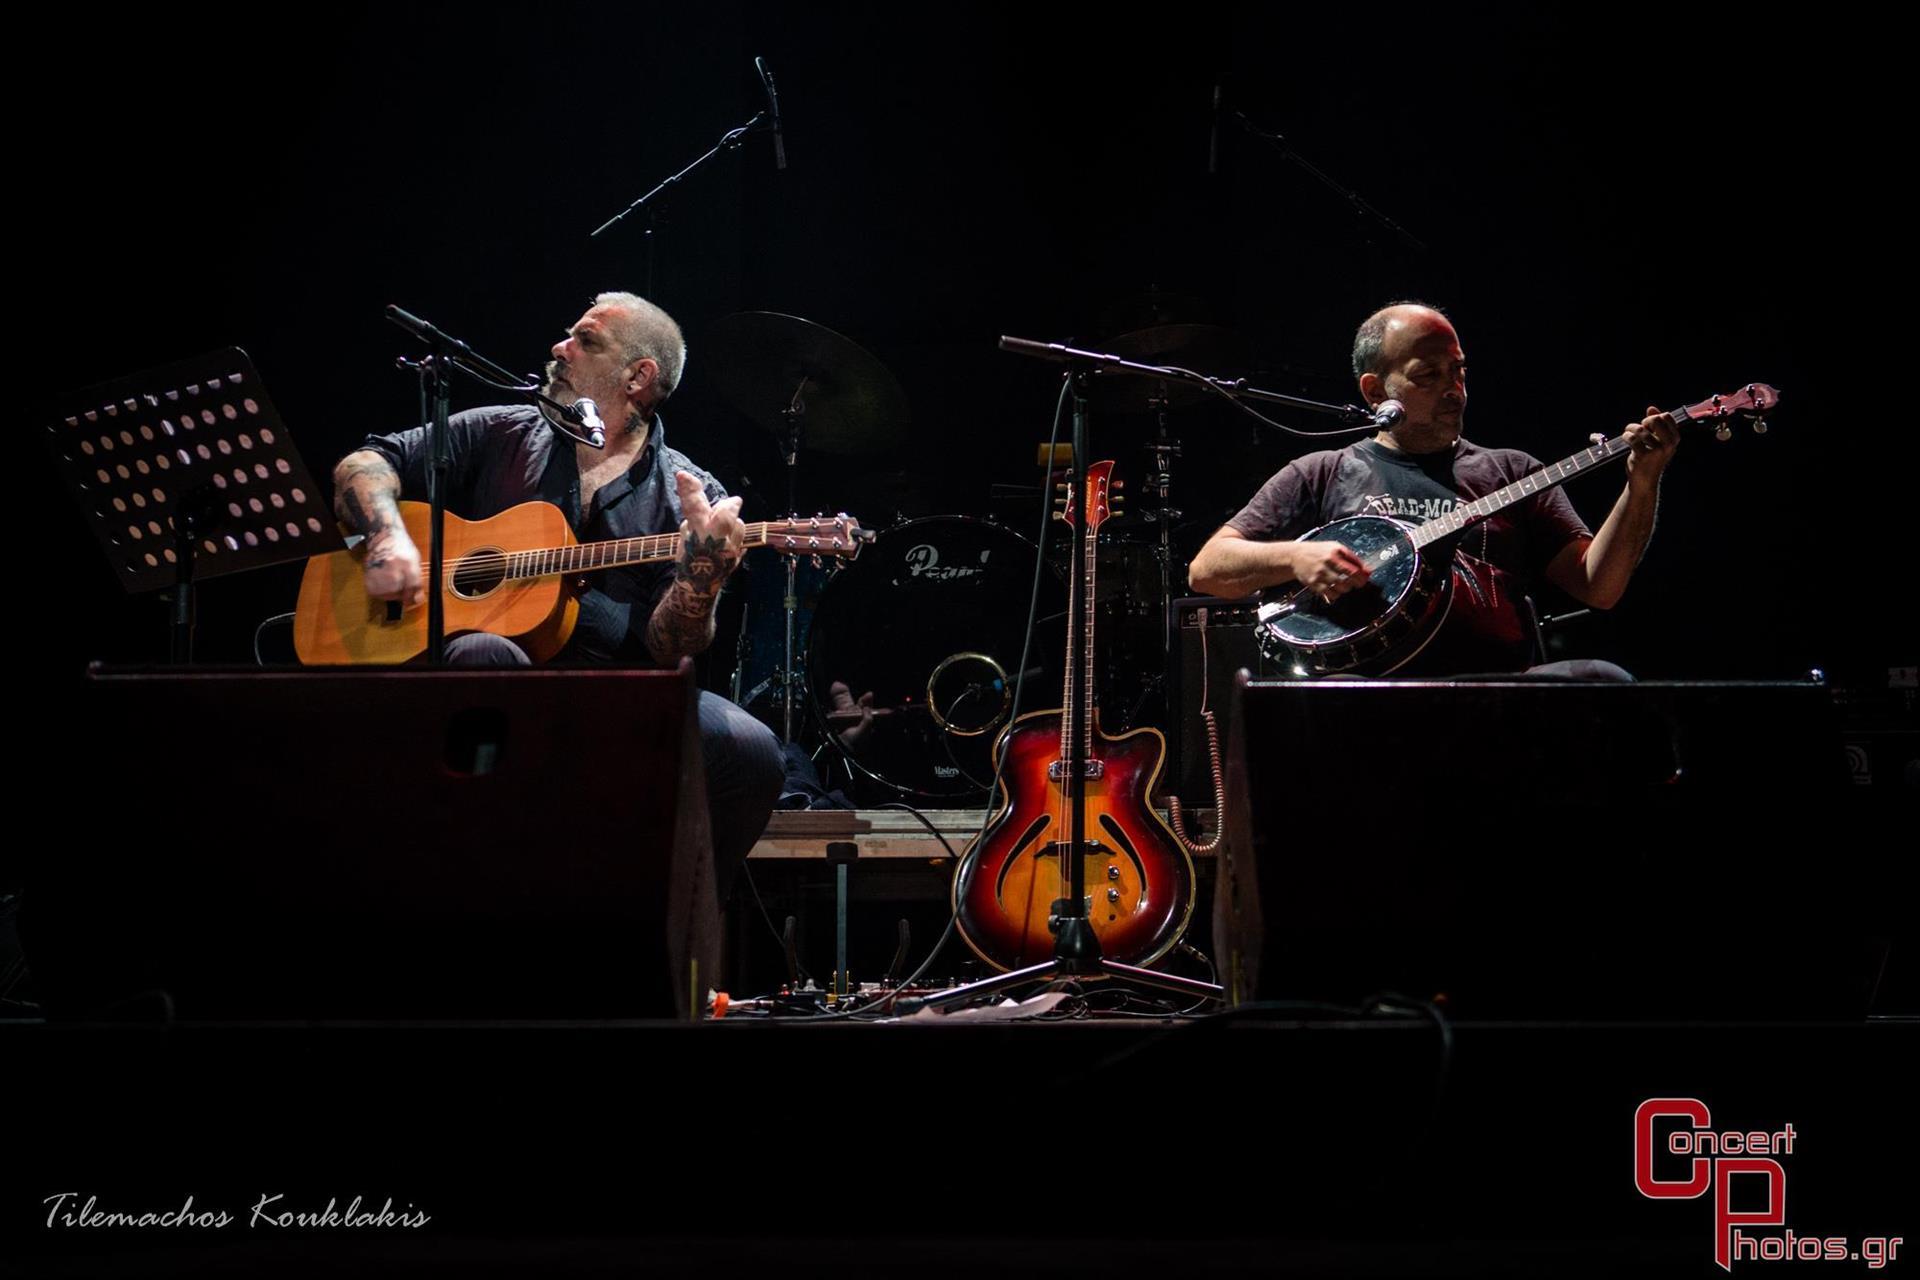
923 561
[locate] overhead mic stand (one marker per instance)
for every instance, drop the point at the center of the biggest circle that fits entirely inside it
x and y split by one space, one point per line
729 141
1355 201
1233 388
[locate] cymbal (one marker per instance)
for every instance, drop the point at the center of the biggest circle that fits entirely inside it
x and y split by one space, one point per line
1205 348
768 361
1156 306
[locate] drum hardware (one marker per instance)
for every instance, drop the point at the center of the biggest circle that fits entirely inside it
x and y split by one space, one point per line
790 416
1164 450
812 388
1152 308
973 688
928 626
1182 346
854 404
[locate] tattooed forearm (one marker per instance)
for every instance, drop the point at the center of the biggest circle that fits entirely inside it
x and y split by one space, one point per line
364 489
682 623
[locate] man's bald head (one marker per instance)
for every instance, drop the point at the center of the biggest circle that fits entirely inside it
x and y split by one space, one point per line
1384 336
1410 352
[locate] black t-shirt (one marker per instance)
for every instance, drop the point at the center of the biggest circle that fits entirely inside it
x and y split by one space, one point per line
1497 561
505 455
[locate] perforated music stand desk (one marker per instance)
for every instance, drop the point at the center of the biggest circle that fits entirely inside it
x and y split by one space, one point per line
186 471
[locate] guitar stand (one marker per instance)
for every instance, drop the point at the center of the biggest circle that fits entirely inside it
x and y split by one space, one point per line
185 471
1076 948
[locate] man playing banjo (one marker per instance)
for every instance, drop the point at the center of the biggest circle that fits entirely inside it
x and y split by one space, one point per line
1421 468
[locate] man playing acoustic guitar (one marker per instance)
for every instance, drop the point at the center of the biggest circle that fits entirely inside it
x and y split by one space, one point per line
626 355
1418 469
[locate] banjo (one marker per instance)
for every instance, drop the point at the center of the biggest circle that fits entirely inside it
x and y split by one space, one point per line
1380 626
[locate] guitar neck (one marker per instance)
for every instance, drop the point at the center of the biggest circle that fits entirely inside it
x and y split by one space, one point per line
585 557
1548 477
1080 663
1096 504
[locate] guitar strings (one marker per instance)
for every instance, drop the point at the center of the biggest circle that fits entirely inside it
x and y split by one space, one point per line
649 547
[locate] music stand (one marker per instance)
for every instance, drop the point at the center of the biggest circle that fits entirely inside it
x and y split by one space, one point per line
186 471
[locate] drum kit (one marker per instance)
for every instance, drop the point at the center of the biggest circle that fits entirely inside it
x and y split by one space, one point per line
904 662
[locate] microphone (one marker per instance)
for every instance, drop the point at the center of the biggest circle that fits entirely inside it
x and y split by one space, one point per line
1388 414
585 414
773 102
1213 135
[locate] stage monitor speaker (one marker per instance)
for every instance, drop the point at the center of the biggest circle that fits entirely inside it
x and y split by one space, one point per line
349 843
1553 850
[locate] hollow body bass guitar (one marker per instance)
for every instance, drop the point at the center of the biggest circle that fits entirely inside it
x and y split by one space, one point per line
1138 878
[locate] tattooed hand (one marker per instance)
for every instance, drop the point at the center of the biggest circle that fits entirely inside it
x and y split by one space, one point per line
393 567
365 492
715 538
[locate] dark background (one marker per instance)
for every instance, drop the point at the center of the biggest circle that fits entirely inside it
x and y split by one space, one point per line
1615 213
1619 209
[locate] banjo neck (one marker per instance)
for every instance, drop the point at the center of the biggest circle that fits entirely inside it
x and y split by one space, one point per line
1754 399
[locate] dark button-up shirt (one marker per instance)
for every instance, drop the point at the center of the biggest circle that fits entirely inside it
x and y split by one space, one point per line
504 455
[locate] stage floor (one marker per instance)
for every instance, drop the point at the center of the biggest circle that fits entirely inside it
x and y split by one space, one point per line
1251 1141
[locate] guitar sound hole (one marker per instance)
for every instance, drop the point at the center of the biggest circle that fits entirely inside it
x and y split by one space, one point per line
478 572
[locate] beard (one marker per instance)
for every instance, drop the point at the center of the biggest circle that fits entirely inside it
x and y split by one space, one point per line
556 387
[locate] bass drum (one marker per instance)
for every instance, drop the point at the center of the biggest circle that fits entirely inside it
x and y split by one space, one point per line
927 628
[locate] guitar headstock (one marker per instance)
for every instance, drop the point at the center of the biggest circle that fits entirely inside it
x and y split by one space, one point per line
1103 496
1719 412
818 536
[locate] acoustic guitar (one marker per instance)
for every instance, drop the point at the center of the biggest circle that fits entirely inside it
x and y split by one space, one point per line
514 575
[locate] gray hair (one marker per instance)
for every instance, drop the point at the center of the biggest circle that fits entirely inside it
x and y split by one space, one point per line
648 333
1371 337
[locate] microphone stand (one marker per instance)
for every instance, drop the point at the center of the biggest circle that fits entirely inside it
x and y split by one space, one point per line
449 352
1233 388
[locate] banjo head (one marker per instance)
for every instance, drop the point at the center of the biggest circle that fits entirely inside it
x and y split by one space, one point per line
1366 622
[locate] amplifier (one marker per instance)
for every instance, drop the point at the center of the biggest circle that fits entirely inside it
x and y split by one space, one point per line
1215 639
